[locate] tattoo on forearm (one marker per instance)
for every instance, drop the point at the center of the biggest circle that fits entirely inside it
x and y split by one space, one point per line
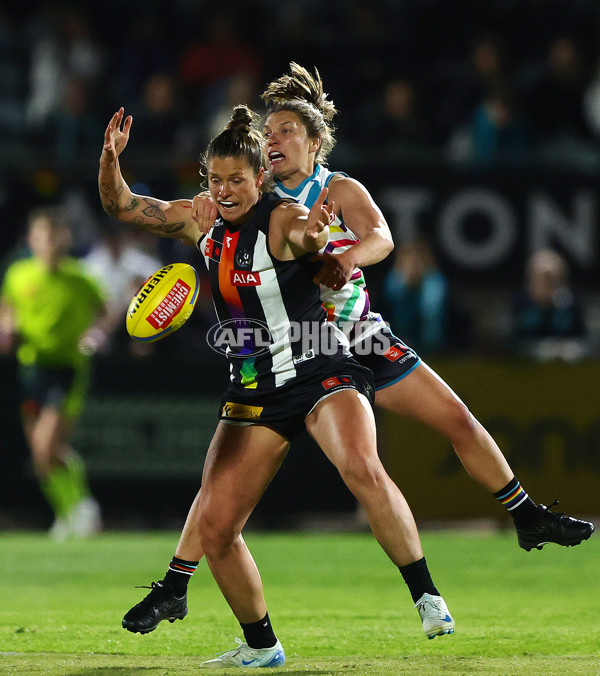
133 204
159 229
153 210
170 228
111 208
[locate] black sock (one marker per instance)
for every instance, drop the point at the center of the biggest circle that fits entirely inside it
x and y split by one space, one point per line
179 574
259 634
519 505
417 577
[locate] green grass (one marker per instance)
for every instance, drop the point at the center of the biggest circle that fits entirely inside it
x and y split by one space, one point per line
336 603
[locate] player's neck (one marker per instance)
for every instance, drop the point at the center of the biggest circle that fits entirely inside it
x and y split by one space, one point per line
292 181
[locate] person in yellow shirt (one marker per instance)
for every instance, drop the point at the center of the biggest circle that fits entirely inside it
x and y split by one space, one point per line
49 310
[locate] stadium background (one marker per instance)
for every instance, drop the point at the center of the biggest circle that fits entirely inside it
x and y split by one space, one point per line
178 67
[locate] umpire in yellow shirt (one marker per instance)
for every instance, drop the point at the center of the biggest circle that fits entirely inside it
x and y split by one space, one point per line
49 309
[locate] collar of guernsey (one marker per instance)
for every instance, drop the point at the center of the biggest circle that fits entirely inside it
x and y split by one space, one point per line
349 307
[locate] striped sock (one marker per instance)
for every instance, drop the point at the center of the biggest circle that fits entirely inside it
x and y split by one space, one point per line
516 500
179 574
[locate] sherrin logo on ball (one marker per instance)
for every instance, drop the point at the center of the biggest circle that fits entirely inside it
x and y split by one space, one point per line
163 303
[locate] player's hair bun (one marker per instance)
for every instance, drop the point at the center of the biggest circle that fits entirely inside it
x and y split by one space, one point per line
243 120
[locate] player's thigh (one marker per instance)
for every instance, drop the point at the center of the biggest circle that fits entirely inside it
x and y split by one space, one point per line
344 427
240 463
424 396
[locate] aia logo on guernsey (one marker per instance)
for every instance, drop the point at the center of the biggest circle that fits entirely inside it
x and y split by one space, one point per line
336 382
244 278
394 353
170 306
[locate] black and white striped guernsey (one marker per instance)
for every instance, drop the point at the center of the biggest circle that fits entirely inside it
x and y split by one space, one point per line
270 313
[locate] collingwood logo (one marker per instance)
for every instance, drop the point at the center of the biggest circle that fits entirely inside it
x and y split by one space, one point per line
243 259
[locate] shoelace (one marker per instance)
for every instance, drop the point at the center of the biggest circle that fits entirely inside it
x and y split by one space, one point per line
560 515
431 602
153 586
233 651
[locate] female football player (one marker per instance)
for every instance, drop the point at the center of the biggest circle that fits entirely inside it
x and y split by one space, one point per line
307 379
299 136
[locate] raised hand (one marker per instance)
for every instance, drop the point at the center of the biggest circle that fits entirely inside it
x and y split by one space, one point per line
116 136
204 211
319 217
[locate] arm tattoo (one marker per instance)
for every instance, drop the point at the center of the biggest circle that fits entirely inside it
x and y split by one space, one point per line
170 228
111 208
133 204
167 228
153 210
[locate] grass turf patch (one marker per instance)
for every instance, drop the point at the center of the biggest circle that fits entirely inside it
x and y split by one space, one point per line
336 602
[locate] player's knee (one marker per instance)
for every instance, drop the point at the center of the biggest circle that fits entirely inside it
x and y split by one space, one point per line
461 422
216 534
361 472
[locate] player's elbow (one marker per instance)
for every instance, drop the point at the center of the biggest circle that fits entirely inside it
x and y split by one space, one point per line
111 209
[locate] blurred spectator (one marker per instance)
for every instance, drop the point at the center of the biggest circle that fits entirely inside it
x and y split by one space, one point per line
145 52
547 319
13 75
553 94
415 293
241 87
463 86
367 42
75 124
497 131
398 125
62 47
158 116
206 63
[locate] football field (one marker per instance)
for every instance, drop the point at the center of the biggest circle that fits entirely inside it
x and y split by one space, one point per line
337 605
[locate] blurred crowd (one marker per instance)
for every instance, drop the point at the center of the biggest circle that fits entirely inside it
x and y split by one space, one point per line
466 80
501 81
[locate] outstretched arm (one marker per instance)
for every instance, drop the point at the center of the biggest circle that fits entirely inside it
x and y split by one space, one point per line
168 219
303 231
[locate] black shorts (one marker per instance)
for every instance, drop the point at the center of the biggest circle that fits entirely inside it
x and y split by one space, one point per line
62 387
285 409
386 356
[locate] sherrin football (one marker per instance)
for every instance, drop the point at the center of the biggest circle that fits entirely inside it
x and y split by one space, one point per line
163 303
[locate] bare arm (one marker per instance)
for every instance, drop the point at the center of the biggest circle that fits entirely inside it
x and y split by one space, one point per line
168 219
204 211
365 220
298 231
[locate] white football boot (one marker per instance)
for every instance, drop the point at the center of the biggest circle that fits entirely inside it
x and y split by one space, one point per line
435 616
247 657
